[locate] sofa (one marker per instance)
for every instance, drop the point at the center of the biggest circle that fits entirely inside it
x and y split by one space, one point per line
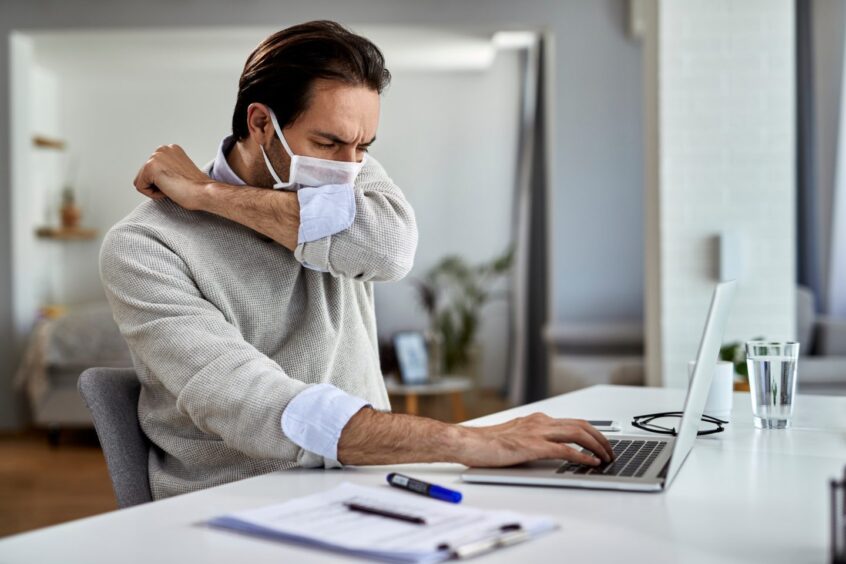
59 350
822 350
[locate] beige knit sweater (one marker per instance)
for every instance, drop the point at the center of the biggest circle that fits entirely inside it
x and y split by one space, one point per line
226 327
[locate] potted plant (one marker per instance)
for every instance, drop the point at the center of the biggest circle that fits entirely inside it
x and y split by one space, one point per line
453 294
736 354
70 212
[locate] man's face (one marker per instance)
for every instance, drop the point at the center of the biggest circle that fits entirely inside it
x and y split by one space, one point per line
339 124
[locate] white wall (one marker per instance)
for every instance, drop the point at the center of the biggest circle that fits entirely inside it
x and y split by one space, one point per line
449 141
39 172
597 200
114 123
722 111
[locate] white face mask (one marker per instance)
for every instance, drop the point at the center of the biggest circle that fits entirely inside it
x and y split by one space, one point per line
311 171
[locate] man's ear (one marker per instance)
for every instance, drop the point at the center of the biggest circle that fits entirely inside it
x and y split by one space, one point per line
259 124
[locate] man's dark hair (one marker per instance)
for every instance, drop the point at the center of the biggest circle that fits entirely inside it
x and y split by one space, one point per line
281 70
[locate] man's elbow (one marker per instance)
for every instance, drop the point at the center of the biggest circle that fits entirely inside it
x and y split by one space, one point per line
401 260
394 271
395 259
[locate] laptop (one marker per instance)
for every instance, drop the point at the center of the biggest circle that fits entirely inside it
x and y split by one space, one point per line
646 463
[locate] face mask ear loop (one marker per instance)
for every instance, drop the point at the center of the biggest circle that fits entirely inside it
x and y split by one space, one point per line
276 128
279 183
278 131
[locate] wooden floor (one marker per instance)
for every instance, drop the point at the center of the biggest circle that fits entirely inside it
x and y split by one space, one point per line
42 485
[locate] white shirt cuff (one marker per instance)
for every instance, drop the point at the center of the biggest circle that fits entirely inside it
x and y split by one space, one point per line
314 419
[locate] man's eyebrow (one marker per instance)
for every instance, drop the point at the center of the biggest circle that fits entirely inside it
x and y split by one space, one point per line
335 139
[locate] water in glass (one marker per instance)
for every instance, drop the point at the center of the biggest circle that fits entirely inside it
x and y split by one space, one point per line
772 383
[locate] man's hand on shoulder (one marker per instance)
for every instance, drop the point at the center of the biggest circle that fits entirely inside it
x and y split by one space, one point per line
169 173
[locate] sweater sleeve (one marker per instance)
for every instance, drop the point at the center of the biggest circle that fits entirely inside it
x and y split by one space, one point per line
381 242
226 386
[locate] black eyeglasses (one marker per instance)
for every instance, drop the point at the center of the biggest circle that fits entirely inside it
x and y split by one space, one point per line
647 423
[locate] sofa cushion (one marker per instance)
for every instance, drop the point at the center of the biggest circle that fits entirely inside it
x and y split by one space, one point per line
821 370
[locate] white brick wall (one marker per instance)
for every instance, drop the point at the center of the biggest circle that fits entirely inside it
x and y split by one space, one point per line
720 156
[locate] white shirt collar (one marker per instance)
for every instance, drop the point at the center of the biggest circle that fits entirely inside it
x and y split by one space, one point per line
221 171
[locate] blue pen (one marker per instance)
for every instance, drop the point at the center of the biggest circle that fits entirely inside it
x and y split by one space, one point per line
423 488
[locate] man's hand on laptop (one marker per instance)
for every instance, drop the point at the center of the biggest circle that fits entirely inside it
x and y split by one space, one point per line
534 437
170 173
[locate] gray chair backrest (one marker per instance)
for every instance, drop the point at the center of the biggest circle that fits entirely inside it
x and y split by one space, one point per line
111 395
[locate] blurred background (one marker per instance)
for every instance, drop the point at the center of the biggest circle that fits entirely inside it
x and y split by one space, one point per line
582 172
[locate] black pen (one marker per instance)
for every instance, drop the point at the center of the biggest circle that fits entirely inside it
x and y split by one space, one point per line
370 510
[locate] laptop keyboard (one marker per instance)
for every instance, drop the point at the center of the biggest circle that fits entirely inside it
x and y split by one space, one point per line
631 459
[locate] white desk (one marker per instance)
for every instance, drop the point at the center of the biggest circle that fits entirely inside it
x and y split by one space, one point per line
742 496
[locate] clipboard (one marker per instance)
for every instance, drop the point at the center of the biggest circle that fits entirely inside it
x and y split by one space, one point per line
448 531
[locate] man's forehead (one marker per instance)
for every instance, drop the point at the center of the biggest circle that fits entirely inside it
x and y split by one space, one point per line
342 110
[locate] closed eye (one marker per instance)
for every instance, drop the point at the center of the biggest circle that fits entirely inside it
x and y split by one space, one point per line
332 141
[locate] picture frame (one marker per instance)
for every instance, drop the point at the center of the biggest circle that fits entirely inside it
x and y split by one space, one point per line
412 357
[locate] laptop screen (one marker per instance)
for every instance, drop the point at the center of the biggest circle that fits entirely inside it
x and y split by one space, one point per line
703 373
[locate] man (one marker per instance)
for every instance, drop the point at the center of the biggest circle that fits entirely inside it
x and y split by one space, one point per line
249 310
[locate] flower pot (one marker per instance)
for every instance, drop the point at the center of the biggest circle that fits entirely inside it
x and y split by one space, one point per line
71 215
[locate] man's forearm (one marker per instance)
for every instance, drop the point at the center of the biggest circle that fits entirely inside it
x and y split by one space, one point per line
273 213
374 437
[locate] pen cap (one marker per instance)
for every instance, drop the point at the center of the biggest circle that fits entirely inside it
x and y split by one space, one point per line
444 494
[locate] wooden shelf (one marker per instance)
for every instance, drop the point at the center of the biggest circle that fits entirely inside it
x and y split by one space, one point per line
60 234
44 142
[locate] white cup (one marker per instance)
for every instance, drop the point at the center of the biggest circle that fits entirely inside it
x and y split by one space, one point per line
722 388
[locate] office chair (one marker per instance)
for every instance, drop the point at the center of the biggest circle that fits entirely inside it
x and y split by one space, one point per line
111 395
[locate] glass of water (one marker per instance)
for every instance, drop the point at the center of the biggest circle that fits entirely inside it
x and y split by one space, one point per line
772 381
